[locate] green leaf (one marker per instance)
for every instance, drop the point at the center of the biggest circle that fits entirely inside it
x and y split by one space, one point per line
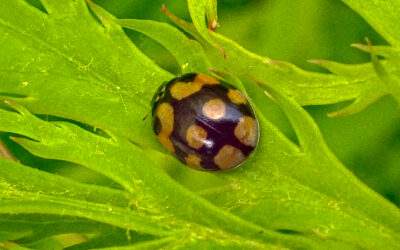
198 11
21 197
382 15
65 59
388 70
164 243
32 180
189 54
58 242
29 228
211 13
363 72
69 64
360 83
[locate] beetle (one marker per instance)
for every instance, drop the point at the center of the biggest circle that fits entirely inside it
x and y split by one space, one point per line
206 123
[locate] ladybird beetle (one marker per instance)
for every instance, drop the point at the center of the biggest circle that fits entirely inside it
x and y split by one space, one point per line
206 123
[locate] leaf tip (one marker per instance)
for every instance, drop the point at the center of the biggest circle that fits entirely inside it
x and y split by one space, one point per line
213 24
17 107
317 61
362 47
334 114
164 8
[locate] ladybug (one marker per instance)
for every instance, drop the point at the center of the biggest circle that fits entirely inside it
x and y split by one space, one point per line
206 123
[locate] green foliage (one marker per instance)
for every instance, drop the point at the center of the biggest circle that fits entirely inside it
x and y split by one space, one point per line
382 15
79 68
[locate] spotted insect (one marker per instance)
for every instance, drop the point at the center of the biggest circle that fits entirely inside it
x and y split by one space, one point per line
208 124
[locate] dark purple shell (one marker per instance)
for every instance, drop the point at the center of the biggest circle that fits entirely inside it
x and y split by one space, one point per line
207 124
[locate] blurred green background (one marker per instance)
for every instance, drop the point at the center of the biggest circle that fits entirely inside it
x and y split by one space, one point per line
292 30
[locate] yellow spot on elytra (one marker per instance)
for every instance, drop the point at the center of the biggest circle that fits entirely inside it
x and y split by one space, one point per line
196 136
166 142
228 157
193 160
181 90
236 96
165 113
246 131
205 79
214 109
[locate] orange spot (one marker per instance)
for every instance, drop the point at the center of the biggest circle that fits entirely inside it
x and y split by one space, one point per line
214 109
166 142
246 131
196 136
193 160
205 79
165 113
181 90
228 157
236 96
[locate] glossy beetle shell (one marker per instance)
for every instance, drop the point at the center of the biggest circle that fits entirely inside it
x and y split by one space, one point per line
207 124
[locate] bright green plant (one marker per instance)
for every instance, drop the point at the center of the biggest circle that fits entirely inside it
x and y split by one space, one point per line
73 62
